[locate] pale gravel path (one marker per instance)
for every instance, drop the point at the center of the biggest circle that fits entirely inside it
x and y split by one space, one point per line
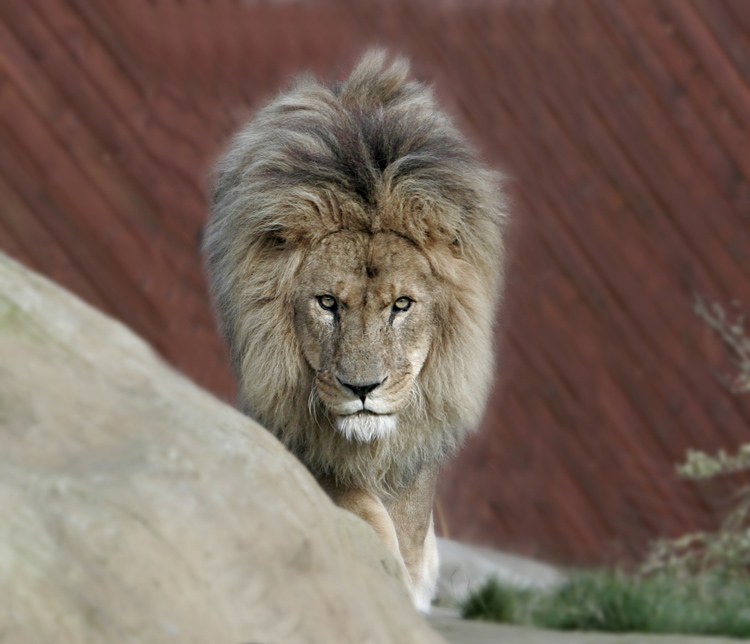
465 568
458 631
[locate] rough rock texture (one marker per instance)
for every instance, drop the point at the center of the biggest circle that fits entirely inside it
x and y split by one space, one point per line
135 507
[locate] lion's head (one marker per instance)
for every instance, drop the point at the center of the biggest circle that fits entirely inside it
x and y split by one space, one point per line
355 253
365 311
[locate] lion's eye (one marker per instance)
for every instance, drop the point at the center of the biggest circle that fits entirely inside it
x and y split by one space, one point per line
402 304
327 302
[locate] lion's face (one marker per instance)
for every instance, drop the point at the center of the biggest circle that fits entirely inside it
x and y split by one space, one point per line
365 315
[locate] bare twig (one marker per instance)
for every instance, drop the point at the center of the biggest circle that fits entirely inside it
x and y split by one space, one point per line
734 337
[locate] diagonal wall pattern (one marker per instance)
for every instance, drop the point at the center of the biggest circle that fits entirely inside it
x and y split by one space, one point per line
623 126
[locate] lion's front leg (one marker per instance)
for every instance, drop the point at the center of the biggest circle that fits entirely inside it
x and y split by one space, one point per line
404 523
424 571
411 513
369 507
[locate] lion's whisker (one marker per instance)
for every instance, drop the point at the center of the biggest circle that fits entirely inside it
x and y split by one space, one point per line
416 399
313 405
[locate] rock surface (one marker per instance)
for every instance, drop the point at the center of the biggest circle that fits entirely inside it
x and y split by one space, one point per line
135 507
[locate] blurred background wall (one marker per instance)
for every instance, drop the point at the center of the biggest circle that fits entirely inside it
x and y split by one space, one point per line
623 128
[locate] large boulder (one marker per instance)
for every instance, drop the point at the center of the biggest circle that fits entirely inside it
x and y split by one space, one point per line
135 507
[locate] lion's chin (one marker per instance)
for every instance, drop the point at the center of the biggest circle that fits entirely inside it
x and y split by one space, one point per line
364 427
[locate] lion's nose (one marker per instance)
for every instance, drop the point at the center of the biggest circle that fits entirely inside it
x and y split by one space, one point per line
360 391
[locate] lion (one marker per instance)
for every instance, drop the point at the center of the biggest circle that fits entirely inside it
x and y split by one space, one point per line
355 256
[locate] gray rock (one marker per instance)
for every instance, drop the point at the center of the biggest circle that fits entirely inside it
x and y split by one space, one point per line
465 569
135 507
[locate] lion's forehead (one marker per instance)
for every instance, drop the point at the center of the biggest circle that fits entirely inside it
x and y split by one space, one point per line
355 252
374 267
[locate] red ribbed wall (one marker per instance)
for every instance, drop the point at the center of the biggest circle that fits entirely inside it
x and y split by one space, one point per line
623 127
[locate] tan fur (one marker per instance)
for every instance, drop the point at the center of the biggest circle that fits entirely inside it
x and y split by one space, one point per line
370 508
364 193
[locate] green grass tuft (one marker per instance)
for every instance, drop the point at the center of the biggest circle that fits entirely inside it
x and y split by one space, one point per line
596 602
615 602
495 603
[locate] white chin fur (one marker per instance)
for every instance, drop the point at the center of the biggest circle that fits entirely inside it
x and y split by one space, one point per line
365 428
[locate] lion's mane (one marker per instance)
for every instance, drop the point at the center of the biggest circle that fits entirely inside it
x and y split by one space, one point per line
373 153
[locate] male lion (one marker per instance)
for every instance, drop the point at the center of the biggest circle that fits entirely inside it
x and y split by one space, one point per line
355 253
